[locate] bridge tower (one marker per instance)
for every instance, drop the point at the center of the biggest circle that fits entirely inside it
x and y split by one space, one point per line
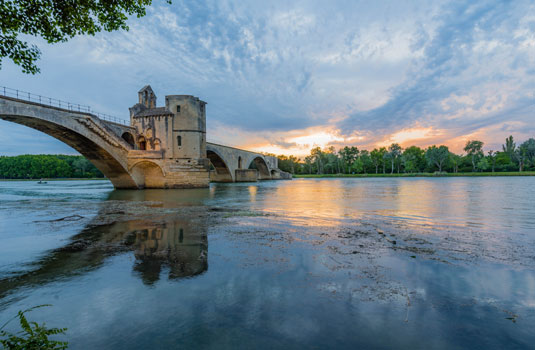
173 137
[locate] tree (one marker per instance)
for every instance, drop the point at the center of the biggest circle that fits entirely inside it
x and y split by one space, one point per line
378 156
357 166
288 163
412 159
520 156
483 164
509 147
348 156
492 157
366 160
394 152
58 21
474 149
46 166
455 161
437 156
525 153
80 166
316 153
529 147
308 161
332 161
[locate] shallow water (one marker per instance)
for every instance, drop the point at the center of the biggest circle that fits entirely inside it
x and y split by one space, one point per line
435 263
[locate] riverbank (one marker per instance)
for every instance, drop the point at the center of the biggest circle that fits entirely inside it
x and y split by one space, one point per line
510 173
59 179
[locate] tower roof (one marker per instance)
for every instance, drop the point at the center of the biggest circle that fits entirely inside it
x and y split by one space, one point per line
146 88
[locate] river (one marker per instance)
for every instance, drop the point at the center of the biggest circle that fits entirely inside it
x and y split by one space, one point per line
405 263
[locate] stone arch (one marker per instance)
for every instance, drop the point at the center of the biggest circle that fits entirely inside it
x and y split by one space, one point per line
222 172
129 138
77 130
259 163
148 174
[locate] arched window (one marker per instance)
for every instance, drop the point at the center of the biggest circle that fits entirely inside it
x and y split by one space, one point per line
142 143
129 139
179 140
239 162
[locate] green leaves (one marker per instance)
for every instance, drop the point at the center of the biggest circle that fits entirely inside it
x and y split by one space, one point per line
474 148
32 336
57 21
437 156
47 166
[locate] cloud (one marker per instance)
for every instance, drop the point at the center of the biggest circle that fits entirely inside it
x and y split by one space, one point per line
360 73
469 76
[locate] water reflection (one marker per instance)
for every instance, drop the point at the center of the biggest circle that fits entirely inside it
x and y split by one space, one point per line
337 263
166 198
174 244
159 243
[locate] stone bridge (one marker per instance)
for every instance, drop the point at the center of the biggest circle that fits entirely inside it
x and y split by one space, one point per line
233 165
163 147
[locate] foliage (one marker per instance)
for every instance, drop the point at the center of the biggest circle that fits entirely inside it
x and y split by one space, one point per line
413 159
378 156
33 336
348 156
509 147
393 154
57 21
492 159
289 164
474 149
47 166
436 174
437 156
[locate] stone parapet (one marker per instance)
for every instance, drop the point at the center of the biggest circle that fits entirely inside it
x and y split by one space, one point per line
139 154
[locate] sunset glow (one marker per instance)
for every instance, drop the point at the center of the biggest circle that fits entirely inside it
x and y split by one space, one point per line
309 75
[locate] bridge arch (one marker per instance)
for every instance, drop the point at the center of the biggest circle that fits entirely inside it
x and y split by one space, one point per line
148 174
222 172
129 138
259 163
85 133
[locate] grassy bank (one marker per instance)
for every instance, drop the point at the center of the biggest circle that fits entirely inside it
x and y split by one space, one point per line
511 173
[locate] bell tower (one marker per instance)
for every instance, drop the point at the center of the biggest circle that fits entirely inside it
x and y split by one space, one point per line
147 97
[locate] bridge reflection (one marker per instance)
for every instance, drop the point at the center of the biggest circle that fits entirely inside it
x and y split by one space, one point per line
173 244
163 244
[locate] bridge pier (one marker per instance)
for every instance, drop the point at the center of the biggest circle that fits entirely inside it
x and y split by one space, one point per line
246 175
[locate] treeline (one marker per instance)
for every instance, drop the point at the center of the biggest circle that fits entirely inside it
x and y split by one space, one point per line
413 159
47 166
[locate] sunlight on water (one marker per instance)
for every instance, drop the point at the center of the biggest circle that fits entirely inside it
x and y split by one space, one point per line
331 263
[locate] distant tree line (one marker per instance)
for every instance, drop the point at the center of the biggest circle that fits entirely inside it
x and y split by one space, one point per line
413 159
47 166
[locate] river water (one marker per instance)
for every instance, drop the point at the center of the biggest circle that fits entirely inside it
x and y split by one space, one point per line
430 263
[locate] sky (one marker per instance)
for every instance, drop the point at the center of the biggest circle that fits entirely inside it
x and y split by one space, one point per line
283 77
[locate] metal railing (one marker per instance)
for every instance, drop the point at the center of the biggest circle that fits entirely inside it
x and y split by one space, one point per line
53 102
